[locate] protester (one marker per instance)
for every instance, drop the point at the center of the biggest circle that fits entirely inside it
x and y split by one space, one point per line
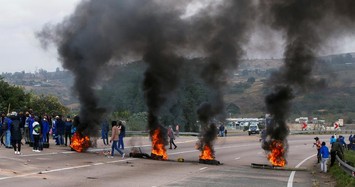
15 133
7 124
350 142
177 130
36 132
28 128
171 137
114 139
337 149
324 152
68 128
2 128
318 146
221 130
332 140
45 129
342 141
104 131
22 118
59 130
122 135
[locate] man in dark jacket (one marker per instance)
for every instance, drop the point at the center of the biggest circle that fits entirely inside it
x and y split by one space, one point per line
16 134
68 127
60 127
337 149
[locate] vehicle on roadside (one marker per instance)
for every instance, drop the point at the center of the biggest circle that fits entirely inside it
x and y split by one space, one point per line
253 128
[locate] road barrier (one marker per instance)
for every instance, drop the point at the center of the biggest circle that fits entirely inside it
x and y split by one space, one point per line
346 167
348 131
145 133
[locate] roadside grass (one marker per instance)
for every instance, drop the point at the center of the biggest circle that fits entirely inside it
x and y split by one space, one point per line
343 179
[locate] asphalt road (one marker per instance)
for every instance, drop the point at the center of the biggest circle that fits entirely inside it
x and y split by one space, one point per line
58 166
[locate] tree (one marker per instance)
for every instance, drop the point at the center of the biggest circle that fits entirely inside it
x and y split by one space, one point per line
47 104
12 97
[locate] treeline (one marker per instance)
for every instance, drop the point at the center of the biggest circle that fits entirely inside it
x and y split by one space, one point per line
14 98
123 93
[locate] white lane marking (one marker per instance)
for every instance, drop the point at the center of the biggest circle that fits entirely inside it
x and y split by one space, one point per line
63 169
292 175
45 154
237 158
202 168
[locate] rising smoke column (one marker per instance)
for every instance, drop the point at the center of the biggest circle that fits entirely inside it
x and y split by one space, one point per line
306 26
105 31
224 33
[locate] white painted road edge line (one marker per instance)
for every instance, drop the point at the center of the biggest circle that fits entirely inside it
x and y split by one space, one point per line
202 168
63 169
292 175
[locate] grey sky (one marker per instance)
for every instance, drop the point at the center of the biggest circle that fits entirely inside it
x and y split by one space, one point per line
20 50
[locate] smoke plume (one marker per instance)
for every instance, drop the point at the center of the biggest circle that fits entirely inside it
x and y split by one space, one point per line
306 26
99 32
227 30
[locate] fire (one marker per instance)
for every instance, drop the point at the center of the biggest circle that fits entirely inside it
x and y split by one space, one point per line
276 157
158 147
79 142
206 153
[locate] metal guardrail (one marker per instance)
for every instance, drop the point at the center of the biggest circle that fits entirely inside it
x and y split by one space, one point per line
348 131
346 167
145 133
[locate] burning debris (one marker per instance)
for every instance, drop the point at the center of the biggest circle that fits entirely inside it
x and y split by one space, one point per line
207 156
136 152
158 145
79 142
205 144
276 156
277 130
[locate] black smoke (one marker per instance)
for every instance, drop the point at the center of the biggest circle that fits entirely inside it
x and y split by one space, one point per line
306 26
227 31
101 32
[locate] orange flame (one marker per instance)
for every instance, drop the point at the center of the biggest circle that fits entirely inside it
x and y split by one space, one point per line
79 142
206 153
276 157
158 147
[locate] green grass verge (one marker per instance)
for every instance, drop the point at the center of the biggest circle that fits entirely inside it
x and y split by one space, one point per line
343 179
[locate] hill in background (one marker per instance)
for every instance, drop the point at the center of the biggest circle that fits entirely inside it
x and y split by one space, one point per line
244 95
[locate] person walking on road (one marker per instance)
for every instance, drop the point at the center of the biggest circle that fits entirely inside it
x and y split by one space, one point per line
121 135
114 140
324 152
171 137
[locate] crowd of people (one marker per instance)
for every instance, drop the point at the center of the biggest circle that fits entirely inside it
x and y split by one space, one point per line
35 130
337 144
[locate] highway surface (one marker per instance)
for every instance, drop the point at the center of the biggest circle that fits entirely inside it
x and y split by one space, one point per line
58 166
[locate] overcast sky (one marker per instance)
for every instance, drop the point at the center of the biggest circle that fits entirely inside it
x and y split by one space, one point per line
20 50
